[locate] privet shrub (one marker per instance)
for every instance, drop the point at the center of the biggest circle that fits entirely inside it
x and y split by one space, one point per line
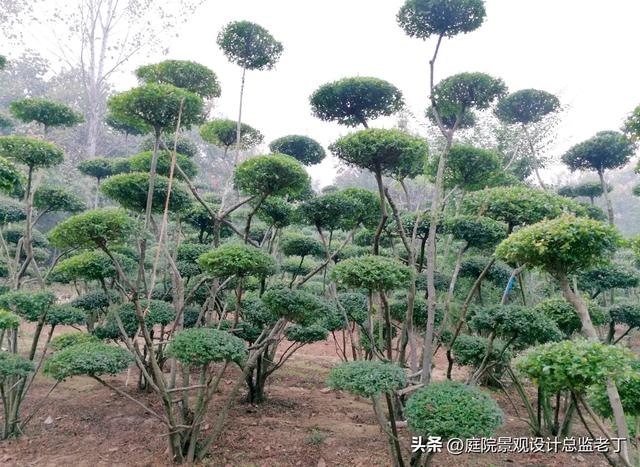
369 378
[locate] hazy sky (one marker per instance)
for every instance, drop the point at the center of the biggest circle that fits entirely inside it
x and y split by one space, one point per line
581 50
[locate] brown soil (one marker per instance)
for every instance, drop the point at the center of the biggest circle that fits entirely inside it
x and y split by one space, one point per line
302 424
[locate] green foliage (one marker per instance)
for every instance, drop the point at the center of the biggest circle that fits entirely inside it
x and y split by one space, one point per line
632 124
275 211
93 228
293 266
464 91
57 198
586 189
8 320
627 313
354 305
522 326
142 163
237 259
11 211
32 152
306 334
344 209
158 106
565 316
302 148
65 315
13 236
375 273
368 378
296 305
628 388
451 409
98 167
183 144
478 232
184 74
45 112
562 245
71 338
88 358
28 305
223 133
274 175
13 365
449 118
574 364
127 126
468 167
519 205
130 191
470 350
398 310
249 45
10 176
391 152
526 106
94 300
255 312
425 18
201 346
355 101
159 313
296 244
607 277
605 150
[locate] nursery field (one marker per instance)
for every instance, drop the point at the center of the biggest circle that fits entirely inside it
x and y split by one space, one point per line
302 424
445 280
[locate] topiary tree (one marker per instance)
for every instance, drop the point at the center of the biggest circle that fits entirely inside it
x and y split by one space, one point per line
565 316
589 190
554 367
98 227
184 74
376 274
98 168
356 101
450 409
468 168
142 163
384 152
264 176
563 246
373 379
626 314
306 150
45 112
162 107
34 154
608 277
519 205
632 124
300 245
606 150
223 133
183 144
525 108
130 191
49 198
251 47
11 211
126 126
453 99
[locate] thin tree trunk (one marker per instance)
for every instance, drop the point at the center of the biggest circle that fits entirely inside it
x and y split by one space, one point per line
607 199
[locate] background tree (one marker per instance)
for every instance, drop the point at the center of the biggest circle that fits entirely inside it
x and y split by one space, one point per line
524 108
45 112
606 150
98 168
306 150
355 101
223 133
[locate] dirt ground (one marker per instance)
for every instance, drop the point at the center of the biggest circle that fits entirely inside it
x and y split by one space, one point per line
302 424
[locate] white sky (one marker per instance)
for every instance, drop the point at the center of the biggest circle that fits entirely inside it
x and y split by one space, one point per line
582 50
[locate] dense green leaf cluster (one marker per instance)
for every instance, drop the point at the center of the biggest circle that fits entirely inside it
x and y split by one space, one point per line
368 378
30 306
223 133
200 346
249 45
93 228
426 18
375 273
131 190
237 259
274 175
88 358
32 152
184 74
451 409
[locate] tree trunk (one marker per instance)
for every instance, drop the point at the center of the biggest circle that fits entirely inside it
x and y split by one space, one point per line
589 331
607 199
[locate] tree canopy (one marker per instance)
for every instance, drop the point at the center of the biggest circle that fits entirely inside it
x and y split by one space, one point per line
249 45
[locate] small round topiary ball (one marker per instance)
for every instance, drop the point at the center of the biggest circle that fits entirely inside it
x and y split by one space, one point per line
451 409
